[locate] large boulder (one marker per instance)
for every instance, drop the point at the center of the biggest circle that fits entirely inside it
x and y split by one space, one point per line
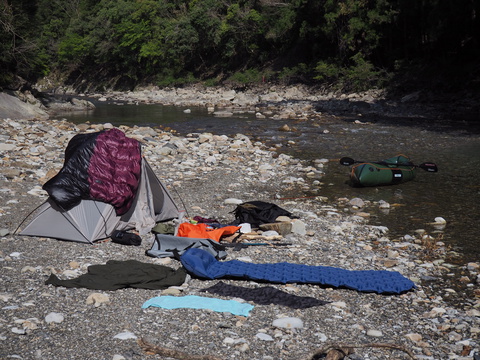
11 107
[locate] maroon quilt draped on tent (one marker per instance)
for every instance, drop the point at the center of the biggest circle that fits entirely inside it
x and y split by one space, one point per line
103 166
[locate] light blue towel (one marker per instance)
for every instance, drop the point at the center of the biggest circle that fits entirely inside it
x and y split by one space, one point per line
199 302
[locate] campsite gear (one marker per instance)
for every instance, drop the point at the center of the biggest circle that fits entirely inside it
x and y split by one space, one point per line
164 228
116 274
200 219
203 265
205 231
92 219
258 212
174 246
265 295
126 238
199 302
395 170
237 246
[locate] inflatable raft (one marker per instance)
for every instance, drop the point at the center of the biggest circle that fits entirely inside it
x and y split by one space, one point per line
395 170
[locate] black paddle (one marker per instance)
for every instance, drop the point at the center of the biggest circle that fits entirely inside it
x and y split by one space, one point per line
429 166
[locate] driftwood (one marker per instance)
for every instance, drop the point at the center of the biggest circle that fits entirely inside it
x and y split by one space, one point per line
338 352
152 349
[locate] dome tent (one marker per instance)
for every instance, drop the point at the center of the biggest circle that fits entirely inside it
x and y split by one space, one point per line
104 185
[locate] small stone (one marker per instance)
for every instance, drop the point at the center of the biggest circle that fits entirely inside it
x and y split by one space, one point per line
125 335
357 202
233 201
163 261
54 317
74 264
28 269
288 323
264 337
7 147
97 299
414 337
392 254
298 227
283 228
243 347
374 333
171 291
435 312
382 204
440 220
339 304
473 266
229 341
19 331
4 232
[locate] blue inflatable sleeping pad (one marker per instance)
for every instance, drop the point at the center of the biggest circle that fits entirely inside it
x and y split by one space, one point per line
204 265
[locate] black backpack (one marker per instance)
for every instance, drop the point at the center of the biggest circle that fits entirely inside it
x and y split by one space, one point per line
258 212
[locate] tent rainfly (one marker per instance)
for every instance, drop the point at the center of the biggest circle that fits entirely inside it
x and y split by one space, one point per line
104 185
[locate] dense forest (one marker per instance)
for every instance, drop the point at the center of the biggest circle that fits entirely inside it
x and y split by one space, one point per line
348 45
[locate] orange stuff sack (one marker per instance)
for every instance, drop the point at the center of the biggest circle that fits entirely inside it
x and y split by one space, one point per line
203 231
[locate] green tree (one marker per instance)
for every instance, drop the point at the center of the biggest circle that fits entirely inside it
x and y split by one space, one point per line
19 53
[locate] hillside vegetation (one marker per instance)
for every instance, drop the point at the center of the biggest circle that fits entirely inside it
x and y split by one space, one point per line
347 45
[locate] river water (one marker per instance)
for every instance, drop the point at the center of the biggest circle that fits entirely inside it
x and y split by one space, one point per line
452 193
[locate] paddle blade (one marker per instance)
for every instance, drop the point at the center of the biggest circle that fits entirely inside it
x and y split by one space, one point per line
347 161
430 167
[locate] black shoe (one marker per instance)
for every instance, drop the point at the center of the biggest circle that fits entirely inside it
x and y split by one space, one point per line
125 238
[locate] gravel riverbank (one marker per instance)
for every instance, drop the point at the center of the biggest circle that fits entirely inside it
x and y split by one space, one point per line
202 171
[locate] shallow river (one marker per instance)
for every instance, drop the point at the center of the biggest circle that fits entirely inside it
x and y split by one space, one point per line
453 193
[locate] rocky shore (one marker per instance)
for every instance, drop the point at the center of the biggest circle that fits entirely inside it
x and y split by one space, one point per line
205 174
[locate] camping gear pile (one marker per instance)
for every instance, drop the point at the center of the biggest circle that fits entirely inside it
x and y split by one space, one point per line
106 189
105 185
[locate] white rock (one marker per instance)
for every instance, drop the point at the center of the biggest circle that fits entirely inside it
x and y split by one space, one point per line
19 331
322 337
374 333
392 254
440 220
245 228
54 317
6 297
436 311
298 227
7 147
288 323
339 304
211 160
125 335
264 337
357 202
28 269
414 337
270 233
233 201
245 259
97 299
229 341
